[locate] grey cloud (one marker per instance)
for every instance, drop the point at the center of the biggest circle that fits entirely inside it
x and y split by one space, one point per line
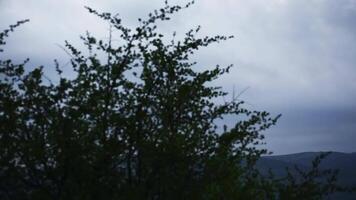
297 57
312 130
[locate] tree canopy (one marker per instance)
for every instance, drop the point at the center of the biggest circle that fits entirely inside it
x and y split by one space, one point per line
138 121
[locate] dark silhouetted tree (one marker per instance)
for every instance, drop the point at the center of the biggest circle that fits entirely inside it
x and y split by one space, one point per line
136 123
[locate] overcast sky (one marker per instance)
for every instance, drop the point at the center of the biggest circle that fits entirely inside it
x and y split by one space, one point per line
296 57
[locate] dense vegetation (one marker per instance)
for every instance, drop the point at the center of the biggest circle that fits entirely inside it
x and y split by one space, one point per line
138 121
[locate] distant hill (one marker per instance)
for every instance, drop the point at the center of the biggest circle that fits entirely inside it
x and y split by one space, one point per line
345 162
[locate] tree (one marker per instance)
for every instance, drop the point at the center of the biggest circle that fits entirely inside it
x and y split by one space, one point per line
139 124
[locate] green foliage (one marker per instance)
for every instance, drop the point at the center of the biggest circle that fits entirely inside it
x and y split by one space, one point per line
137 124
314 184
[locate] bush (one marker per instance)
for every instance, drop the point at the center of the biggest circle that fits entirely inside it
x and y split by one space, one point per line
139 124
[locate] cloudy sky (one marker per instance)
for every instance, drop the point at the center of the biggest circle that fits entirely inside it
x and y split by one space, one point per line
295 57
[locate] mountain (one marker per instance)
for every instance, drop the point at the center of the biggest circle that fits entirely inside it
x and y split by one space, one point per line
344 162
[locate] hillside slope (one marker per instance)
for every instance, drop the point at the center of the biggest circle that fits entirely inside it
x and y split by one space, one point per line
344 162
